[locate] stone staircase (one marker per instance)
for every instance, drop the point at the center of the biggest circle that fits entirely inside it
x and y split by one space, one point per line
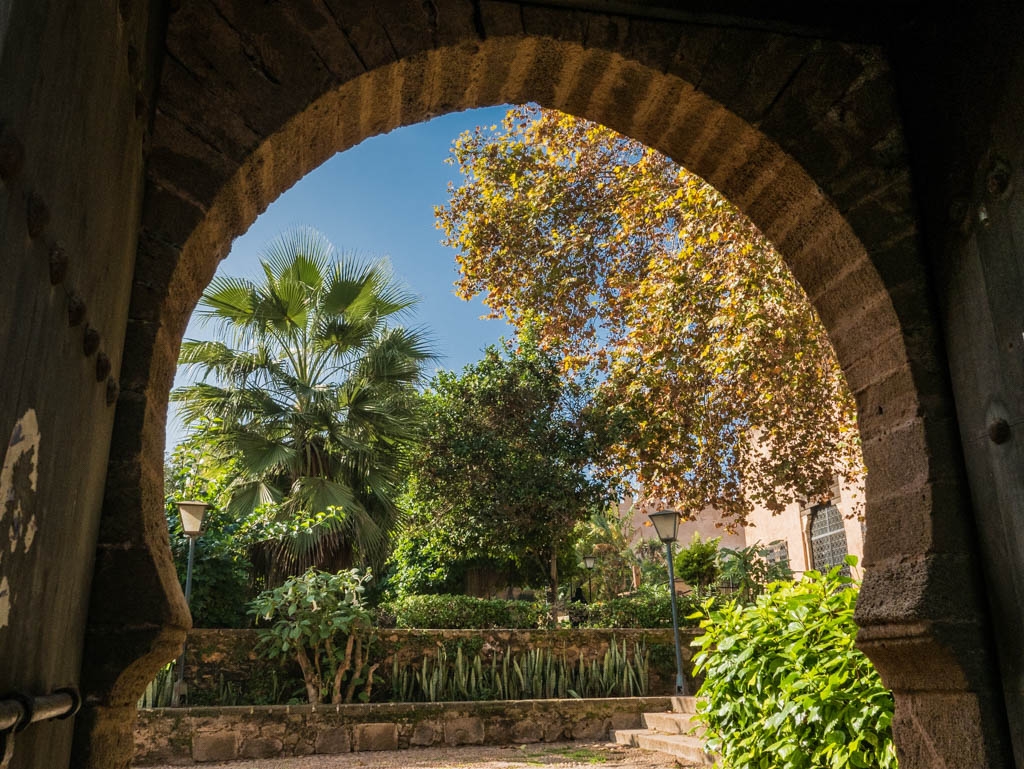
670 733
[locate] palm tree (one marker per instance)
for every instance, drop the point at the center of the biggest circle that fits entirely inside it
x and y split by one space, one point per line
313 394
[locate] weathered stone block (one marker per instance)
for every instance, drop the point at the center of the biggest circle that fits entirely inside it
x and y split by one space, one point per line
625 720
555 730
527 730
375 737
220 746
423 735
590 729
464 731
261 747
498 731
333 740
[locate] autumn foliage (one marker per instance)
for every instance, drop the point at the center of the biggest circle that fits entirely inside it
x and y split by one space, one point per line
718 378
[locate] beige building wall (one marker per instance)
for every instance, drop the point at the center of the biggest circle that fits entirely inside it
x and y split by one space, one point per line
708 523
792 527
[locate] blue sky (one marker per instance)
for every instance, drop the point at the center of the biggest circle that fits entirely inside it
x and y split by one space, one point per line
377 199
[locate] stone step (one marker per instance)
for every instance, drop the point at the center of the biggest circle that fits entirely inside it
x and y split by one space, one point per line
673 723
686 749
684 704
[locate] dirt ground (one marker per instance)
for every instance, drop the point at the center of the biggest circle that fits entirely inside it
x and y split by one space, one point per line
553 754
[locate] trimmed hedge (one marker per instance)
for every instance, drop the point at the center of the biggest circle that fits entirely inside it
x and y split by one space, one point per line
463 612
638 611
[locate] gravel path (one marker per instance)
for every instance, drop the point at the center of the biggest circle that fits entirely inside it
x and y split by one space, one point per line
553 754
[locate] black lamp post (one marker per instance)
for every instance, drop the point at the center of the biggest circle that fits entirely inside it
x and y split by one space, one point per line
192 513
666 523
589 561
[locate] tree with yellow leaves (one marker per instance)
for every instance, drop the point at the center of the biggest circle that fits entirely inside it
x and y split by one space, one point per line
719 381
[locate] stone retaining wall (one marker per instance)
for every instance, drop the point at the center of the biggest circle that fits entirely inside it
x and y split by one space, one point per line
221 659
193 735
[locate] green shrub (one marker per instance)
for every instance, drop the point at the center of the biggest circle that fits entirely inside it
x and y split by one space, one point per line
644 610
784 686
748 570
464 612
220 575
318 618
220 583
697 564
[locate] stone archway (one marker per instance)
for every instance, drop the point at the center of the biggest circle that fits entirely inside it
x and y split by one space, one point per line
801 133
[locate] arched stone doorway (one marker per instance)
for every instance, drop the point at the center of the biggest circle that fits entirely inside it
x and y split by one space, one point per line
801 133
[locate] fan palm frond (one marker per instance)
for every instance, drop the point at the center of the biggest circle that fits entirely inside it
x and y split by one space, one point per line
314 396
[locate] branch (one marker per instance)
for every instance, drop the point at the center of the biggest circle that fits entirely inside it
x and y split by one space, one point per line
369 680
343 668
355 670
308 676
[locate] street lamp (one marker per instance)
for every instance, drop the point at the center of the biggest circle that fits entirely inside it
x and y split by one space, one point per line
588 562
666 523
191 513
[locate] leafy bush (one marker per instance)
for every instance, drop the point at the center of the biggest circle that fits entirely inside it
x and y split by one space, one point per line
607 536
784 686
220 574
748 570
220 580
697 564
319 618
644 609
533 674
649 608
464 612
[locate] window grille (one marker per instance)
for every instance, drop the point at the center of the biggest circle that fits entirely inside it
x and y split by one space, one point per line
778 552
828 538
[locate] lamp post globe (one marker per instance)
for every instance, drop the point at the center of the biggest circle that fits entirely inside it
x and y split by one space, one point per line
589 561
666 524
192 512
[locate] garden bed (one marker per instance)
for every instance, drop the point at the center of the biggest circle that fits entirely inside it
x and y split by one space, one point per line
223 667
196 735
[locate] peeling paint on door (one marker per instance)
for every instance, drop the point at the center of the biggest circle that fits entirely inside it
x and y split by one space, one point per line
5 602
19 478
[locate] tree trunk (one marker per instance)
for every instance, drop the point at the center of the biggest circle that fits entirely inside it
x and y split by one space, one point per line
554 575
357 666
343 668
309 676
553 580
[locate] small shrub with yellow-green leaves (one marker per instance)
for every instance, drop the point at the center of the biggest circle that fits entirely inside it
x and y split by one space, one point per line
784 686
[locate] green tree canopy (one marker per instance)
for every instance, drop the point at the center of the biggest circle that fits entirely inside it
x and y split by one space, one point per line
506 458
697 564
313 390
724 385
608 537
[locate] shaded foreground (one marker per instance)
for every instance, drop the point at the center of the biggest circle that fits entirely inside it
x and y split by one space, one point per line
561 754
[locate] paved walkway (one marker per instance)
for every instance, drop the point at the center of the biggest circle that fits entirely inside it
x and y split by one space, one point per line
554 754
